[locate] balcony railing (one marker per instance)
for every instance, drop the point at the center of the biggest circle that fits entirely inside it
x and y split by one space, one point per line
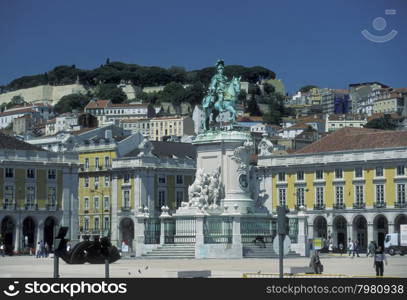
359 205
9 206
380 205
339 206
126 208
400 204
319 206
31 206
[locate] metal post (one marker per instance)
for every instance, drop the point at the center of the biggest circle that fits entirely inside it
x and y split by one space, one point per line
106 267
56 265
281 253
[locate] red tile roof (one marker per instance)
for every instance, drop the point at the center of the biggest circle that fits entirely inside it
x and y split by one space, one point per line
17 112
97 104
350 138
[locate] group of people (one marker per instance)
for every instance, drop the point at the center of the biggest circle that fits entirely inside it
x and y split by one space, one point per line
379 257
42 250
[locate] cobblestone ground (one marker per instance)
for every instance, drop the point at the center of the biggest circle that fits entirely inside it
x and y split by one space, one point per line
29 266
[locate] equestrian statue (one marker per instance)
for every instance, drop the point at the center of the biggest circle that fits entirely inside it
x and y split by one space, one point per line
220 97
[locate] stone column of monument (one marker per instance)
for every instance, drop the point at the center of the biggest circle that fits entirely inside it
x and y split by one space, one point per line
229 153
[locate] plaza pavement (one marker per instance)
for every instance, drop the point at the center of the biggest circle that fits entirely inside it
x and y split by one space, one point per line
29 266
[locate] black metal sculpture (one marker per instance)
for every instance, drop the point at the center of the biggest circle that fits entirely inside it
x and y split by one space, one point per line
93 252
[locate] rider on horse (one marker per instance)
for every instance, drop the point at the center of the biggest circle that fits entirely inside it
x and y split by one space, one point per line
218 84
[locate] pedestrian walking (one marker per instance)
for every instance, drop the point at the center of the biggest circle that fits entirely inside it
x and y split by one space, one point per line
2 250
350 247
316 264
46 250
340 248
330 247
355 248
371 249
379 258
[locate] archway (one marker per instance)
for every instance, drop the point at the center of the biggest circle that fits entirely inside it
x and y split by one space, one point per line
49 231
380 229
7 233
28 233
360 232
127 232
320 227
339 231
400 219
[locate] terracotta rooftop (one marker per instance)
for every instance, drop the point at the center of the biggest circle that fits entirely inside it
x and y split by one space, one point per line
97 104
22 110
350 138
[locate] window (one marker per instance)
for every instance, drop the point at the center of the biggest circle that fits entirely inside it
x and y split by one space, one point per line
9 194
30 195
319 174
358 172
52 174
161 179
86 163
401 193
380 193
9 172
281 176
106 203
339 195
107 162
96 162
107 180
180 179
161 199
106 223
86 181
96 203
379 171
126 199
300 175
96 181
126 178
338 173
282 197
52 196
300 197
320 196
179 198
30 173
359 195
86 224
86 202
96 225
400 171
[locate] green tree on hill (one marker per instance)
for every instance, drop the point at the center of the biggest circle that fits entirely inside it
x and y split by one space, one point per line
72 102
111 92
385 123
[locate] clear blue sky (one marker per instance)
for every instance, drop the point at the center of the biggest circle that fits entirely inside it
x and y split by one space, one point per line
304 42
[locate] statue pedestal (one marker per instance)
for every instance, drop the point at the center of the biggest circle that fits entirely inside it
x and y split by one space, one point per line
231 152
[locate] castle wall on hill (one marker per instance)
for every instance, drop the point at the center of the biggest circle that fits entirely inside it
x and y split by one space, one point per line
42 93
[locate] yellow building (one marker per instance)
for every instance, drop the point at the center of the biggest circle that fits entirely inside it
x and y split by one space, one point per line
38 191
95 176
170 126
350 184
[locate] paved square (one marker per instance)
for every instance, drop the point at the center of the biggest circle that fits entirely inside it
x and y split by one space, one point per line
29 266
